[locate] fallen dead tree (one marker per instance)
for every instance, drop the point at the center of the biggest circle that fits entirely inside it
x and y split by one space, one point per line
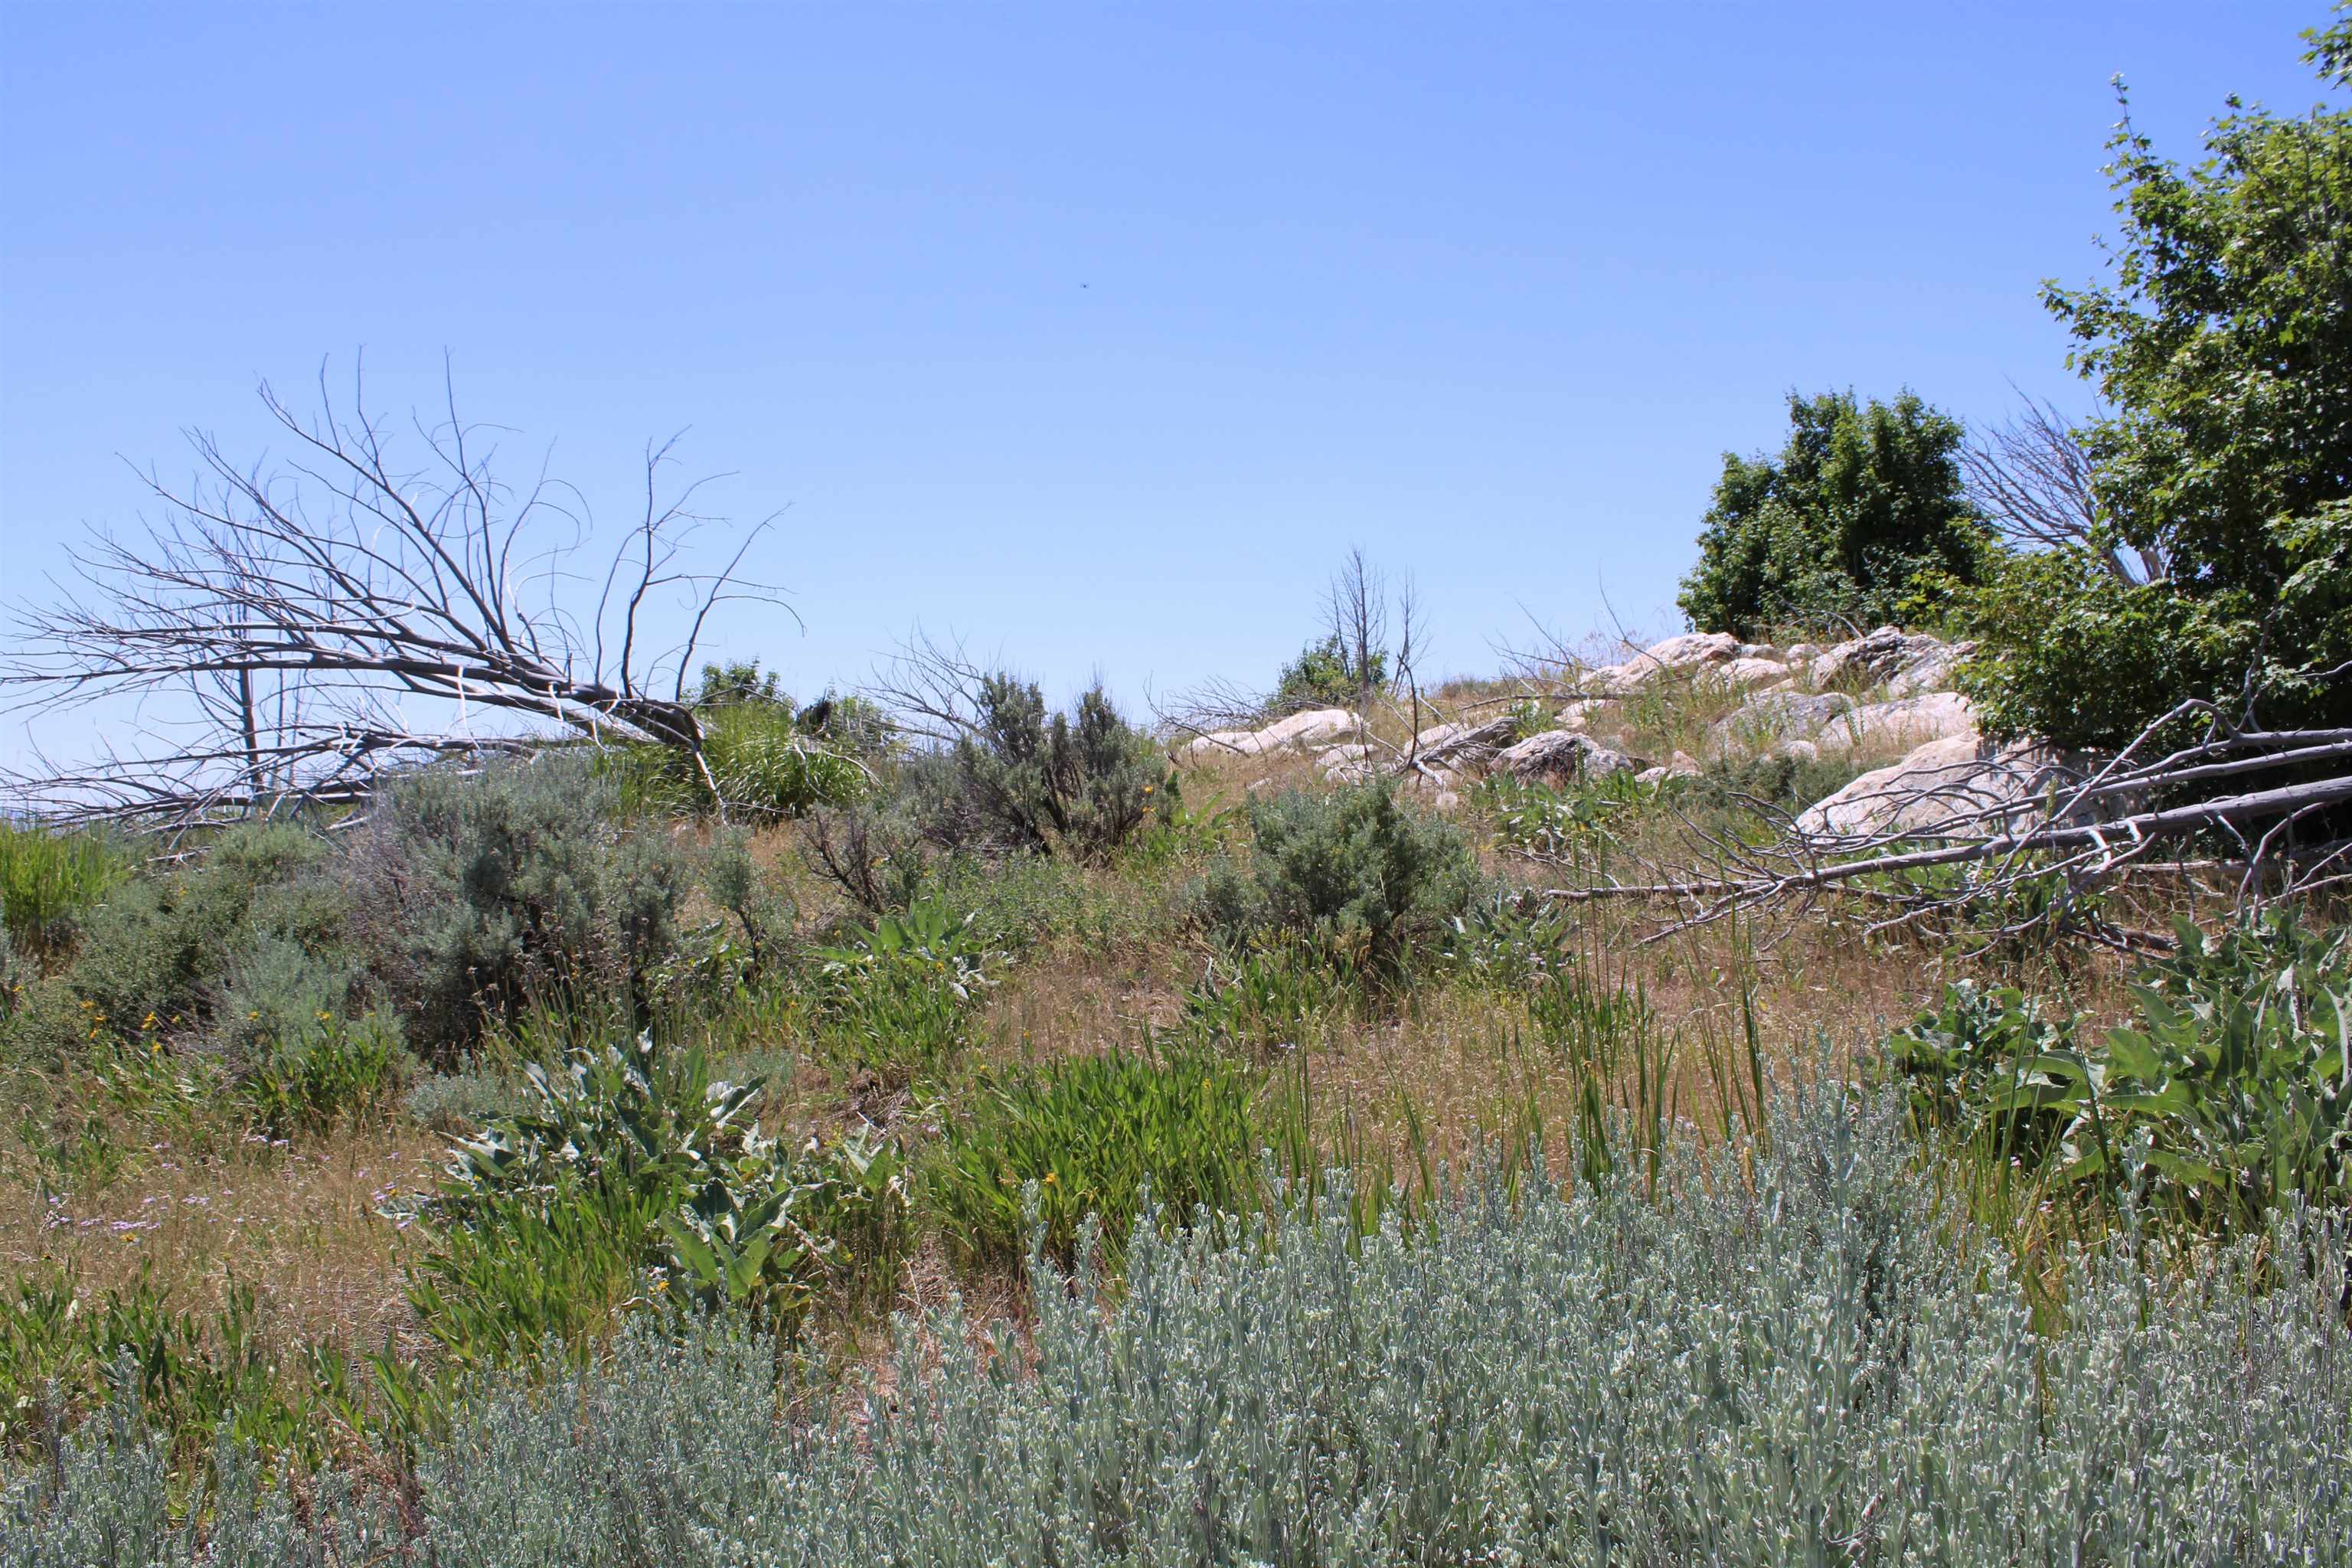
288 639
2022 823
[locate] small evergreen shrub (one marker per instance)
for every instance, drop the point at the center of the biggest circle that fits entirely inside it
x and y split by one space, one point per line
483 890
1325 675
1348 869
1078 784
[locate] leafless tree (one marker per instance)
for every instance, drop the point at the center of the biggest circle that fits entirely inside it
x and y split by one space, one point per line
1356 616
2032 479
290 635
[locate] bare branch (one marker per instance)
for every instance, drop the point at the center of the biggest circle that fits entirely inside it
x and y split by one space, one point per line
345 617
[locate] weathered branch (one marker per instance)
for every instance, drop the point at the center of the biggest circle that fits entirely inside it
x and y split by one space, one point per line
291 636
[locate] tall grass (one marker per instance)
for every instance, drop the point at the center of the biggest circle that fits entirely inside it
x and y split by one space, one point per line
47 878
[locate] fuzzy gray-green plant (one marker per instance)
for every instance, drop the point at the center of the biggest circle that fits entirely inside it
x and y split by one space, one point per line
1794 1357
1349 869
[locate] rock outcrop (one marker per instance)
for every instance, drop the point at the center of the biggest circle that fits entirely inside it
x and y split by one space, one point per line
1904 721
1562 756
1938 787
1297 731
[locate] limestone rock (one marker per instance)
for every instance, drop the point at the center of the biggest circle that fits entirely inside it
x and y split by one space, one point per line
1463 742
1932 673
1350 762
1561 756
1688 651
1746 672
1774 716
1298 729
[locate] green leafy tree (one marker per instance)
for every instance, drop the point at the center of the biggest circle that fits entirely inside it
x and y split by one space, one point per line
2222 344
1863 509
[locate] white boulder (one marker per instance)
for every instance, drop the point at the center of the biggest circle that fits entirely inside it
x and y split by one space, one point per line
1905 722
1950 784
1298 729
1876 656
1689 651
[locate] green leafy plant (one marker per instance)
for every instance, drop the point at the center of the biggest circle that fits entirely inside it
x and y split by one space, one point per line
1862 508
1801 1357
2228 1092
1085 1137
48 881
635 1179
1270 994
896 997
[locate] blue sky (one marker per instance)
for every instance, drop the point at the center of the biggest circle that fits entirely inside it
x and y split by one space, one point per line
1093 334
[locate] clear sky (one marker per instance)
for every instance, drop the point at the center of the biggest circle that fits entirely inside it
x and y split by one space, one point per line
1093 334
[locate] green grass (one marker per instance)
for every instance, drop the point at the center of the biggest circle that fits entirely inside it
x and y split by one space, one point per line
47 879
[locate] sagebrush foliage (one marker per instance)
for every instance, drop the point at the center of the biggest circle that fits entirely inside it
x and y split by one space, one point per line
482 891
1027 779
1351 868
1797 1358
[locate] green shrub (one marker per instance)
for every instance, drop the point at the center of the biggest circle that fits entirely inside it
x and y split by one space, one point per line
1084 1137
333 1070
1860 513
637 1179
1509 941
1077 784
1327 675
1349 869
897 996
2229 1093
49 881
158 954
2223 460
482 890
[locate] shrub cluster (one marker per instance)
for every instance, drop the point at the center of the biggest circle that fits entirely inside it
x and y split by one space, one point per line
1797 1359
479 893
2228 1095
1349 869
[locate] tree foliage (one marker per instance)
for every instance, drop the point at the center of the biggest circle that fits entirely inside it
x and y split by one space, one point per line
1862 508
2222 343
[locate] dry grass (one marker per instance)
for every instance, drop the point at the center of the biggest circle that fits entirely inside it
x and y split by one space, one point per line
1429 1075
297 1223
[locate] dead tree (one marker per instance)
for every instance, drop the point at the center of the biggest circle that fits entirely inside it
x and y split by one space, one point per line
2032 479
289 637
2025 822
